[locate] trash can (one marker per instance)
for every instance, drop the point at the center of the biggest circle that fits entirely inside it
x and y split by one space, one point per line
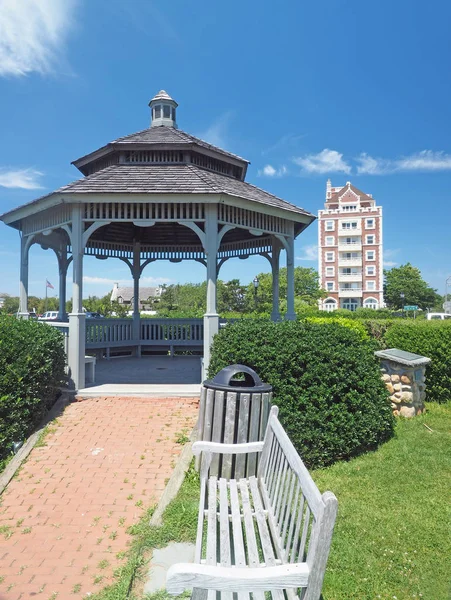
234 410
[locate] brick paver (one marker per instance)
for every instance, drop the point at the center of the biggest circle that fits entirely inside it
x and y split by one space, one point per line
63 518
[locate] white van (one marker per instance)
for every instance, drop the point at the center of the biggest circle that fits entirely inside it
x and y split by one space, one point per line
439 316
50 315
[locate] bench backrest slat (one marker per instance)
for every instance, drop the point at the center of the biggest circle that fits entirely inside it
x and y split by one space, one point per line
300 518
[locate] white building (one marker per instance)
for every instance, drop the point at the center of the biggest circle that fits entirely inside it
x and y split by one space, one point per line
350 249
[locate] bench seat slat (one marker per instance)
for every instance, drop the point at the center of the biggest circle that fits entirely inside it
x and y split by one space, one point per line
265 537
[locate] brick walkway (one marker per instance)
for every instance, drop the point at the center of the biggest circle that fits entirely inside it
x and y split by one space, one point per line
63 518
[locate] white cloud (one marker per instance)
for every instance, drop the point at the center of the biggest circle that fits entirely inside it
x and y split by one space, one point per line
32 34
26 179
390 263
310 253
216 134
270 171
326 161
426 160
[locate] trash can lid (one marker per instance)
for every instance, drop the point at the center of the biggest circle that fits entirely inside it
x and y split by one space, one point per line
225 381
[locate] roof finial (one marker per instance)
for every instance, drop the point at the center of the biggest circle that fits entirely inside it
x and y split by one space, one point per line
163 110
328 189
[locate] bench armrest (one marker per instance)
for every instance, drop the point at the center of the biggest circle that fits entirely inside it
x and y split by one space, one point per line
218 448
183 576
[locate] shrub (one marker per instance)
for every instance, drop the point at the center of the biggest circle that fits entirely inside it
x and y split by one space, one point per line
31 370
356 326
431 339
326 383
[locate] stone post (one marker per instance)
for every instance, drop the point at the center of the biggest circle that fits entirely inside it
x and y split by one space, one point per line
404 375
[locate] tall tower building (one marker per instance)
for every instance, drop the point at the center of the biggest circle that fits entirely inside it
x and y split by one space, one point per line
350 249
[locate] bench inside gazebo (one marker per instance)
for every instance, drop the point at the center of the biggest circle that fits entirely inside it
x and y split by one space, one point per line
159 194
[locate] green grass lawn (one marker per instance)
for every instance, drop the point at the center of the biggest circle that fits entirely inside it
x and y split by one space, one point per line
392 536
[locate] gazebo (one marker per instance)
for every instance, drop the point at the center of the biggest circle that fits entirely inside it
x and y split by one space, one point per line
159 194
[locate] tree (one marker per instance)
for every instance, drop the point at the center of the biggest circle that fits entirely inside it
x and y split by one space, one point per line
306 289
407 280
10 304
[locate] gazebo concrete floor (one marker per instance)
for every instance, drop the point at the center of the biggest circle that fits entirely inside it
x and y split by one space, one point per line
162 376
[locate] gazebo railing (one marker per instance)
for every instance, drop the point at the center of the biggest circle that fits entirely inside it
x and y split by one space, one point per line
102 333
172 331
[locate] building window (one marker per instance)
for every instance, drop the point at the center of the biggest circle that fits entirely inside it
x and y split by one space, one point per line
330 226
350 304
370 239
370 224
348 207
330 256
173 114
371 270
330 240
330 286
371 303
330 271
166 111
370 255
349 225
330 305
157 112
371 286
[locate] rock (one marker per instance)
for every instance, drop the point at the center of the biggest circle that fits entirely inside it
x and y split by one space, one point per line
395 398
406 388
385 378
390 388
396 413
397 387
406 397
395 378
407 411
405 379
422 396
393 405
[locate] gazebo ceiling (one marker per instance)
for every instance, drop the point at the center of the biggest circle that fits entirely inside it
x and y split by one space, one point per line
161 234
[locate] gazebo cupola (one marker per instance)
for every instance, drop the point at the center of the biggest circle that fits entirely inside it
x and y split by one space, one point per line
163 109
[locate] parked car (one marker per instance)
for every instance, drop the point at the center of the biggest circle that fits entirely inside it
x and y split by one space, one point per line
50 315
93 315
438 316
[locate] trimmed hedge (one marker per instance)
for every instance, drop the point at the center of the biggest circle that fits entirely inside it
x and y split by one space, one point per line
326 381
431 339
31 369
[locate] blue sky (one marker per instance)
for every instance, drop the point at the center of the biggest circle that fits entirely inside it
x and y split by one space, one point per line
354 91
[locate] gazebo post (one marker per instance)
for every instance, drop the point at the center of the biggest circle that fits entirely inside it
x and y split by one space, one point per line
136 271
211 317
62 268
77 325
275 314
23 287
290 314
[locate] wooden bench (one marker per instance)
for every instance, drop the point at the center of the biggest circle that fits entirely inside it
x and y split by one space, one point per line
266 533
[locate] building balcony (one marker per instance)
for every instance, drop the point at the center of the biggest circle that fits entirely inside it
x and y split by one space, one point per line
350 262
350 246
349 277
347 232
350 292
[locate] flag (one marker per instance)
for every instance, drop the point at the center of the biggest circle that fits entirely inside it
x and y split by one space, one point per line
48 284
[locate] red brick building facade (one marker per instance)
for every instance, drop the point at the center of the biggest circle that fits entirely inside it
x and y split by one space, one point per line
350 249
